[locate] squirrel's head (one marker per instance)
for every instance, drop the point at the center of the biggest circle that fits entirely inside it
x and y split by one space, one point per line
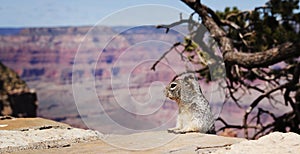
172 90
180 88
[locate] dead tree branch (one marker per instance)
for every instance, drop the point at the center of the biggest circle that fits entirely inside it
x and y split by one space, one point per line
226 125
248 60
164 55
190 71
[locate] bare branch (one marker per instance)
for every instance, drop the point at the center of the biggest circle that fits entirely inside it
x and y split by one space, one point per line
233 126
248 60
181 21
189 71
164 55
255 103
265 58
230 24
167 27
216 146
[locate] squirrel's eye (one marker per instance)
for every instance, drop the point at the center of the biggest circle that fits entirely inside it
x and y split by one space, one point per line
173 86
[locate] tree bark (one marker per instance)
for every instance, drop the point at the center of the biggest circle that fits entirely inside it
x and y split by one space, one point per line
265 58
230 54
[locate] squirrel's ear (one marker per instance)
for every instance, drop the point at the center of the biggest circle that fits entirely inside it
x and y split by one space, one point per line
186 78
189 78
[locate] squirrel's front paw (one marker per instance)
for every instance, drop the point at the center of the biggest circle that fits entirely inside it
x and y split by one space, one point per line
185 130
180 131
171 130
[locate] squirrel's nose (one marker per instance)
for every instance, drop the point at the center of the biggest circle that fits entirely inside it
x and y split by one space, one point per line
166 92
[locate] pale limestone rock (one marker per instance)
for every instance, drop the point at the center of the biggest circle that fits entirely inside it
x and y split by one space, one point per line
37 135
274 143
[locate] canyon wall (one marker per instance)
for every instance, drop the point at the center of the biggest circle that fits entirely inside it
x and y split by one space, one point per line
48 59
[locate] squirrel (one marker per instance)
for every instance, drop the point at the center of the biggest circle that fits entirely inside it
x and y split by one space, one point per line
194 111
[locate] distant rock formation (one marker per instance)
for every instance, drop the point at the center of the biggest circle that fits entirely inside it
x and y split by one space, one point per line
44 58
16 99
48 53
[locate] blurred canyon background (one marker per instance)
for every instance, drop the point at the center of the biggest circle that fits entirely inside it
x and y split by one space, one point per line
120 75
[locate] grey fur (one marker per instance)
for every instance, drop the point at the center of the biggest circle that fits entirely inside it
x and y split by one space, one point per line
194 111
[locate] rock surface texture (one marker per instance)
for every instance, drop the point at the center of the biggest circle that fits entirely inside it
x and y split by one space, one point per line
37 135
17 134
274 143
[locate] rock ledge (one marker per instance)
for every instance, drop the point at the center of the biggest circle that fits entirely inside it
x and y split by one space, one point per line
37 135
